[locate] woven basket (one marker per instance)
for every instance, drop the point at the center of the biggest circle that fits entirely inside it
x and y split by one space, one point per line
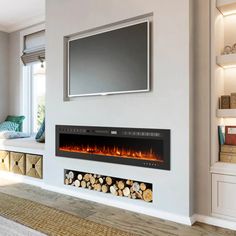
17 163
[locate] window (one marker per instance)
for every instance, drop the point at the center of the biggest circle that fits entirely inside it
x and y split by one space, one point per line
38 80
34 95
34 78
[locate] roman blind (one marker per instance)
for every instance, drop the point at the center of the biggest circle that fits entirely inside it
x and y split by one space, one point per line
34 47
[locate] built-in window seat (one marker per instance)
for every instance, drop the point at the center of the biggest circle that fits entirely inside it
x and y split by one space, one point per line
22 156
28 145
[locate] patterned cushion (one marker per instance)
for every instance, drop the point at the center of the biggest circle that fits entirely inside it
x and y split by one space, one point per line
40 136
13 135
18 120
8 125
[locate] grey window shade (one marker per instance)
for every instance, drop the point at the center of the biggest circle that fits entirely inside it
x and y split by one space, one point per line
34 47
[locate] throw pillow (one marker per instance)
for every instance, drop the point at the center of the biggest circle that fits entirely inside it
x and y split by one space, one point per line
18 120
13 135
40 136
8 125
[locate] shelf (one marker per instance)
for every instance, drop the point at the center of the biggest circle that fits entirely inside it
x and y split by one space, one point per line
223 168
226 113
226 7
226 61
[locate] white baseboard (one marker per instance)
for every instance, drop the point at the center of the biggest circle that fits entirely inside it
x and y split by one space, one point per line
215 221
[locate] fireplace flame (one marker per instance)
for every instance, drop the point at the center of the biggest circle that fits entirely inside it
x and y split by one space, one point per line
112 151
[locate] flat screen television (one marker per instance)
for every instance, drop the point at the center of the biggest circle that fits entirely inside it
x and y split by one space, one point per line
109 62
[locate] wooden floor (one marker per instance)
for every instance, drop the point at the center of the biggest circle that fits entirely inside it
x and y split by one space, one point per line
125 220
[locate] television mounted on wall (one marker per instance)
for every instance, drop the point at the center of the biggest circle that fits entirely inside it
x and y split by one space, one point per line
110 61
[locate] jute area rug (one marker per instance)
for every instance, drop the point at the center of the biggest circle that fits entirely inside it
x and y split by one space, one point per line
51 221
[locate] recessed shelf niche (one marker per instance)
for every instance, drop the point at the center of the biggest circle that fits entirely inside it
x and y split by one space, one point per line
226 7
226 61
226 113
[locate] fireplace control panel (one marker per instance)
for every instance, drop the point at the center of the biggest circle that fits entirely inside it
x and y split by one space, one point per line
111 132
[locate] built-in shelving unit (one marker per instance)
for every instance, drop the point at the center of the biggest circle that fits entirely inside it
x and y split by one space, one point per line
226 61
226 7
223 82
226 113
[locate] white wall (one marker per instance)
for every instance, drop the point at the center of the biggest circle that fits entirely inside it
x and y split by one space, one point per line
15 106
3 75
167 106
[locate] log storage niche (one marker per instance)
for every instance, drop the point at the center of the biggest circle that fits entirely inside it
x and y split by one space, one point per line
106 184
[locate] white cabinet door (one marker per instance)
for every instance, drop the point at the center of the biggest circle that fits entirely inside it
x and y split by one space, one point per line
224 195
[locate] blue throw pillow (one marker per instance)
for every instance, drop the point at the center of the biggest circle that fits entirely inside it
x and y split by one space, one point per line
18 120
40 136
9 126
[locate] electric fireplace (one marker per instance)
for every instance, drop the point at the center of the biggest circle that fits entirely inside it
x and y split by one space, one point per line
130 146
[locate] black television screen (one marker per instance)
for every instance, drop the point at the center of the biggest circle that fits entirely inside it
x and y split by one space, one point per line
114 61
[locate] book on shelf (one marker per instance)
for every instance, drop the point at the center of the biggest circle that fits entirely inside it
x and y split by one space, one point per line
225 102
228 149
228 157
230 135
221 135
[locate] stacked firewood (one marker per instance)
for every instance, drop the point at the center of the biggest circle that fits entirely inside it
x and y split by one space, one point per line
118 187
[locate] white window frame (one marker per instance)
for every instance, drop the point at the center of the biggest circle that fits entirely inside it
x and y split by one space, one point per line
26 82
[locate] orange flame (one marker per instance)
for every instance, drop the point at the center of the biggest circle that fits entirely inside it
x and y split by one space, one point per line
112 151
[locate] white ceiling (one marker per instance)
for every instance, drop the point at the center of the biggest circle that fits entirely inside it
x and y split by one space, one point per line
19 14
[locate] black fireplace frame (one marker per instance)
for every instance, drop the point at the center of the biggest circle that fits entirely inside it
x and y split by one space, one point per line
158 134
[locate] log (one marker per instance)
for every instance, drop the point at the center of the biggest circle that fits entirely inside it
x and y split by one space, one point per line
83 184
71 175
113 190
121 184
98 187
115 187
109 180
70 181
133 195
132 190
67 181
104 188
120 193
101 180
139 195
92 180
129 182
136 187
143 186
147 195
93 186
86 177
126 191
77 183
80 177
88 184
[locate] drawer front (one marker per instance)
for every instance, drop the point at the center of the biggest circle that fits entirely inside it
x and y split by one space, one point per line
224 195
17 163
34 166
4 160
